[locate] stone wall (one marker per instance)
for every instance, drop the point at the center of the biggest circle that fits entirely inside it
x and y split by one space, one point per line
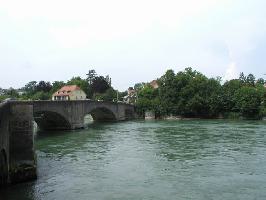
16 143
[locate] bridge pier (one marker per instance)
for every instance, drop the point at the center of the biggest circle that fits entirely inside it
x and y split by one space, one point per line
16 144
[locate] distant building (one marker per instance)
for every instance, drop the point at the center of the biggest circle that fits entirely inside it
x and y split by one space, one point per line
21 92
69 92
131 96
154 84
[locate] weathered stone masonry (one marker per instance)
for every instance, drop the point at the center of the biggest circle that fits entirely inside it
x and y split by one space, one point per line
17 155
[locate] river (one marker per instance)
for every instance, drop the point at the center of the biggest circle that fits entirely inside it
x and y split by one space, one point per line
187 159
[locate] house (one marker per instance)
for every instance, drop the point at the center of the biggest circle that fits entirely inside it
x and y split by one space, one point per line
154 84
69 92
131 96
21 92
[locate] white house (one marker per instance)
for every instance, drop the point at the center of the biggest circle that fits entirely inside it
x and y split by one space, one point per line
69 92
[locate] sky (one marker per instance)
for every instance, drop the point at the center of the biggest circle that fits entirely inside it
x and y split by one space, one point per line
131 41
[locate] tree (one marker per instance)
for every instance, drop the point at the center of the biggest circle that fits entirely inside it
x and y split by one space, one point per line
228 92
261 81
91 75
242 78
108 95
148 100
41 95
82 83
121 95
57 85
99 85
248 102
30 88
139 86
43 86
168 92
11 92
250 80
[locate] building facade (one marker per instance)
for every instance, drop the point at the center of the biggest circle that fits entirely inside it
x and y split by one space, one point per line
69 92
131 96
154 84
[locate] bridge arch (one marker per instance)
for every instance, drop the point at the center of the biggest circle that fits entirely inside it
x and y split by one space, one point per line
102 114
3 168
49 120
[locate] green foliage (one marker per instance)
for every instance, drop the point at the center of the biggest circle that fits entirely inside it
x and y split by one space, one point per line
94 87
248 102
82 83
109 95
12 93
57 85
30 88
3 97
99 85
229 89
260 81
191 94
148 100
121 95
139 86
43 86
41 95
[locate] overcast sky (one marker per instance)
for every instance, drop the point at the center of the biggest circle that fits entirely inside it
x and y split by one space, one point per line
132 41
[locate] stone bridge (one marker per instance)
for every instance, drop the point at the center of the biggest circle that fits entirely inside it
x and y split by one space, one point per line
17 155
63 115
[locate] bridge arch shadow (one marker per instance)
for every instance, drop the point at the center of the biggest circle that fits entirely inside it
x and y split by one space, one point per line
3 168
102 114
47 120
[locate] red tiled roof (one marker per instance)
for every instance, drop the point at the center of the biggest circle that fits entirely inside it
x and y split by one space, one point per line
69 88
65 90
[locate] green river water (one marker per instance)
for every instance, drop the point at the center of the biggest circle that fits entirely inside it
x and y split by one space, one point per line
139 160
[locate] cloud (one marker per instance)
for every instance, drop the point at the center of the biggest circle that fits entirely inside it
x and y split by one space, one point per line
77 23
132 41
231 72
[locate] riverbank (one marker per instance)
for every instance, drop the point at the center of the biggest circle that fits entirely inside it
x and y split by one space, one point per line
227 116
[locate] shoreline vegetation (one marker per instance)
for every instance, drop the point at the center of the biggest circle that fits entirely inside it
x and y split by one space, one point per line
190 94
187 94
177 118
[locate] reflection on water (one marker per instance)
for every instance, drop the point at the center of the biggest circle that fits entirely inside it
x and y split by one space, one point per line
194 159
